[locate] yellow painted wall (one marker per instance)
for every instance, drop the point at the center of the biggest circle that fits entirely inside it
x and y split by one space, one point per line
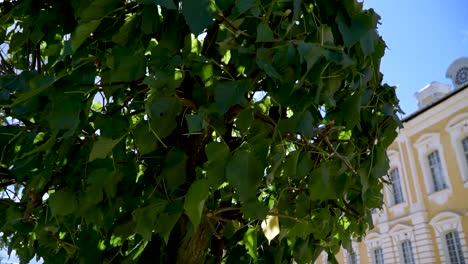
425 215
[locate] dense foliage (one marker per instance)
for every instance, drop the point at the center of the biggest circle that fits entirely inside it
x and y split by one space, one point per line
169 130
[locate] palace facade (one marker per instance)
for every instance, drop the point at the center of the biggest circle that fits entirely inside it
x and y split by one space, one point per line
425 213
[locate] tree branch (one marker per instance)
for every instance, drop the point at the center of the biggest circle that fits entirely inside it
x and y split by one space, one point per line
295 219
345 160
231 24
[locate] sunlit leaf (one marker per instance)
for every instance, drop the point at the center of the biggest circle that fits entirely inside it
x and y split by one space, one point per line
271 227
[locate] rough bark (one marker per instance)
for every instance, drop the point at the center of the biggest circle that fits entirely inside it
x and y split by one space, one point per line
193 249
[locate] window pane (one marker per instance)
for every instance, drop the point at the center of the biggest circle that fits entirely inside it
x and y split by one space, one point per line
352 258
378 256
396 186
407 251
455 253
436 171
465 149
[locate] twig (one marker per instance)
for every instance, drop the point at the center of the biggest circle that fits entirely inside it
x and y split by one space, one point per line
213 230
8 183
225 209
286 216
61 241
230 23
345 160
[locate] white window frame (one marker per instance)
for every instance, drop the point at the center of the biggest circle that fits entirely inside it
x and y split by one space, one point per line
411 251
435 165
350 260
401 233
444 223
374 257
373 241
457 244
395 163
397 185
457 127
425 145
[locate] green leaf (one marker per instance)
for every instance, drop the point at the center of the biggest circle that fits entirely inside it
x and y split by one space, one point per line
197 14
290 164
244 120
125 65
162 112
196 122
264 33
380 162
169 218
218 154
326 35
150 21
320 181
125 32
164 3
264 61
244 5
96 9
103 147
244 173
145 140
195 201
112 126
228 94
360 26
64 112
104 179
145 218
253 209
310 52
351 109
367 42
62 202
305 164
174 168
306 124
250 242
82 32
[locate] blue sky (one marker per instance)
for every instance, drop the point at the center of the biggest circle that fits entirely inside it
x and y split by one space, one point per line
423 39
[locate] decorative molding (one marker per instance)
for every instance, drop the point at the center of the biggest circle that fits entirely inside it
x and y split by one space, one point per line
458 72
426 144
457 127
436 114
395 163
444 223
414 178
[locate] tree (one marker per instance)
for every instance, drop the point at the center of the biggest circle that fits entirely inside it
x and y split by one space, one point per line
190 131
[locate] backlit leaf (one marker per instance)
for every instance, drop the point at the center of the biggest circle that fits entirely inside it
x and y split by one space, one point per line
62 202
270 227
195 201
83 32
103 147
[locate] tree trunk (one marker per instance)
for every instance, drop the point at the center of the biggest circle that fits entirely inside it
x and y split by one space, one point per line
192 250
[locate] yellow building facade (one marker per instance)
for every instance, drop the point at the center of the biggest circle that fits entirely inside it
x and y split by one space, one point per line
425 213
